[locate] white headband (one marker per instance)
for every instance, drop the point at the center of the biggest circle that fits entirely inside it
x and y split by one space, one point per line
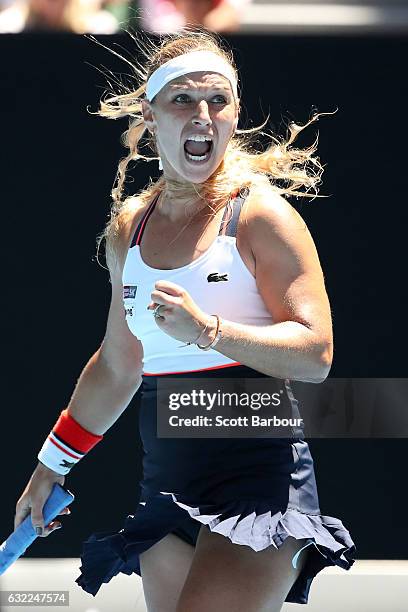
194 61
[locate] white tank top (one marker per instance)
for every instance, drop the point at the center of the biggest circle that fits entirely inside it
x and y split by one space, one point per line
218 281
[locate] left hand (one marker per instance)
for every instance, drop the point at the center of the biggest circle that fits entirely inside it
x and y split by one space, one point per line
181 318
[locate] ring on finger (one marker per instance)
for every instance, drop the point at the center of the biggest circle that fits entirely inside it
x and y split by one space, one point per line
156 313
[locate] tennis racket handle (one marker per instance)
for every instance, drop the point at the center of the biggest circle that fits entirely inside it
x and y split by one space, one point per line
18 542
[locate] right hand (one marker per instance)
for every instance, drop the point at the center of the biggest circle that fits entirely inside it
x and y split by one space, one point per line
34 497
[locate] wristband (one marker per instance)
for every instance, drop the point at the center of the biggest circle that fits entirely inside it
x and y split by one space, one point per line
66 444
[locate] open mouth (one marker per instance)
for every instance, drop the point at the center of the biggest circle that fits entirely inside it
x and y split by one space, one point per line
199 159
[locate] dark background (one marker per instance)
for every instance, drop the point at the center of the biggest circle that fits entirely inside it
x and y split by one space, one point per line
58 167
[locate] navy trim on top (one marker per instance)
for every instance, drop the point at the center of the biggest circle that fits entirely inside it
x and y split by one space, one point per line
227 227
137 236
237 204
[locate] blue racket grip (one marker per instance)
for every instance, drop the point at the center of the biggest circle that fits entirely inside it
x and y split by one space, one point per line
18 542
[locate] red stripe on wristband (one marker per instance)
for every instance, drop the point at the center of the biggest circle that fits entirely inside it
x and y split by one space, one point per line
64 449
73 434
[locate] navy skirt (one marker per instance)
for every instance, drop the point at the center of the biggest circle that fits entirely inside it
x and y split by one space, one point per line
254 491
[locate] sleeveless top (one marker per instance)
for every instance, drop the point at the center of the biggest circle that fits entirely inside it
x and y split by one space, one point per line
218 281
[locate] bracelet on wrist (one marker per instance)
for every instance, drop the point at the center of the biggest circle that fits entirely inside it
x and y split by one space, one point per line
67 443
197 339
216 338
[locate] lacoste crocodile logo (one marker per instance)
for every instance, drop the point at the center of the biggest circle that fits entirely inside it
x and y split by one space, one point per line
214 277
67 464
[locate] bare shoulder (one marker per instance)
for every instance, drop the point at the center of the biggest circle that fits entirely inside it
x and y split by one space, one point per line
266 205
276 229
120 235
120 348
288 273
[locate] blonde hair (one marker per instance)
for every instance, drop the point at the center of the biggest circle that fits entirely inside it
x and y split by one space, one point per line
241 166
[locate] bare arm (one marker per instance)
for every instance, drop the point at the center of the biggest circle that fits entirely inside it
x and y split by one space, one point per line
299 344
100 395
112 376
103 391
114 373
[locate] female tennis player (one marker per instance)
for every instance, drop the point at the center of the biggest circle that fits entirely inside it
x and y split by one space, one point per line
214 276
